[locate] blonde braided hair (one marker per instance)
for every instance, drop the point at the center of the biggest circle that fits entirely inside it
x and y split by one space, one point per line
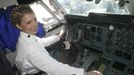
18 13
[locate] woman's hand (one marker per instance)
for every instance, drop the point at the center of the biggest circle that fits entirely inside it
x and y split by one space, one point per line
94 72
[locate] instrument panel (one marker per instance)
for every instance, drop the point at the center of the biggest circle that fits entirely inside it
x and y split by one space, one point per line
110 34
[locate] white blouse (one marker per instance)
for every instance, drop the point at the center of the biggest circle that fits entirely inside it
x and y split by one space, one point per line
32 57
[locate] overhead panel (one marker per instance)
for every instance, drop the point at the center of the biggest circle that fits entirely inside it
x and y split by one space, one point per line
5 3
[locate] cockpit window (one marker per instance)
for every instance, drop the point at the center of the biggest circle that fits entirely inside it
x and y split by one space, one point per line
46 14
42 14
84 7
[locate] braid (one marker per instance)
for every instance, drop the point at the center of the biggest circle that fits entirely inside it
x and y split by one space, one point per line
18 13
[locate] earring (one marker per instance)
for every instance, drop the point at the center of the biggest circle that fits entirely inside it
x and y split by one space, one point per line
18 27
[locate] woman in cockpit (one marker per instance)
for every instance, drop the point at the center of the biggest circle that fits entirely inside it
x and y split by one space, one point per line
32 56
